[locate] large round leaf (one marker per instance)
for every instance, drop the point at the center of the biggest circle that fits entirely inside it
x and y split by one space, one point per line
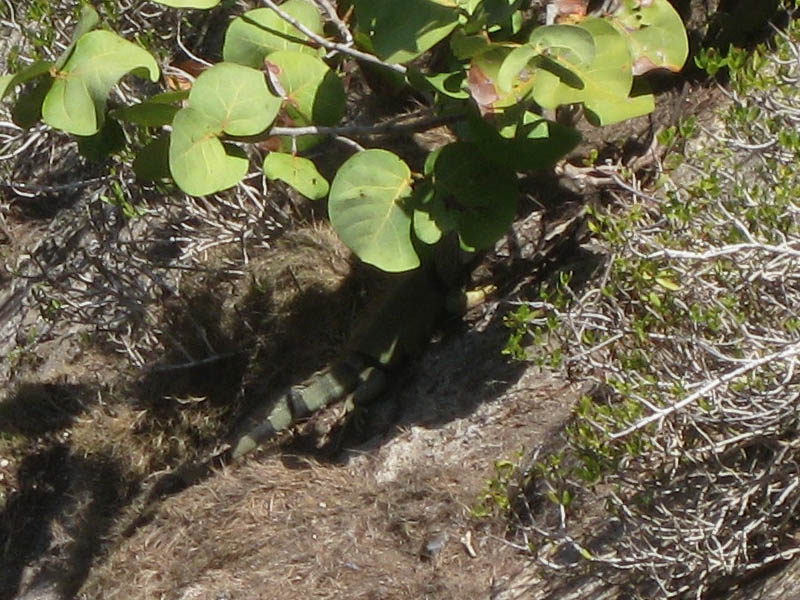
401 30
605 84
574 45
236 98
198 161
298 172
366 209
76 102
482 199
313 93
258 32
655 33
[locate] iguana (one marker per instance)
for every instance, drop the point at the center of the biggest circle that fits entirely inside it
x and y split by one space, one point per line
403 323
399 329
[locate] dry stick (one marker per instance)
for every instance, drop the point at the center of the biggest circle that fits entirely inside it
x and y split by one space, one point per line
48 189
340 24
790 352
343 48
356 130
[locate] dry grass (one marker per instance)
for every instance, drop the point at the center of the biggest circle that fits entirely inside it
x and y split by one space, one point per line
262 530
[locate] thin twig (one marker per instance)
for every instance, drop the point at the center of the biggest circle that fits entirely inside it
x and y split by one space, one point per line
333 46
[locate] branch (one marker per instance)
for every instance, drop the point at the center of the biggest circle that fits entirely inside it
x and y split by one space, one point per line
790 352
333 46
393 126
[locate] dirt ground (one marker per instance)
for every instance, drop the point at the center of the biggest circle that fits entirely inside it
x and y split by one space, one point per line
118 377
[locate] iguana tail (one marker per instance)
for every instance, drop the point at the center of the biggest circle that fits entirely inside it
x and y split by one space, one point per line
398 330
352 376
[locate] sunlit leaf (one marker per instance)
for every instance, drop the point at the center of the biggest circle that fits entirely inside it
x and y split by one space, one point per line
401 30
366 209
257 33
76 101
236 97
199 162
298 172
655 34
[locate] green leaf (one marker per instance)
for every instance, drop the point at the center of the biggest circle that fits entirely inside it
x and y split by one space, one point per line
655 34
401 30
257 33
449 84
147 114
571 44
482 82
605 84
156 111
576 44
298 172
107 141
27 110
425 227
198 161
482 201
88 20
313 93
530 143
189 3
9 82
667 284
76 101
468 46
366 209
431 218
235 97
152 162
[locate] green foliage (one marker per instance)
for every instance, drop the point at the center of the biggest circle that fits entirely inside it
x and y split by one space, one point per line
281 82
298 172
689 339
257 33
495 497
366 209
399 31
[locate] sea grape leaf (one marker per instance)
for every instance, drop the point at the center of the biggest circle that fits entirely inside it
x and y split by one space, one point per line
401 30
257 33
236 98
27 110
109 140
569 43
366 208
483 86
156 111
198 161
88 20
482 201
313 93
425 227
449 84
76 102
531 142
605 84
298 172
152 161
9 82
467 46
655 34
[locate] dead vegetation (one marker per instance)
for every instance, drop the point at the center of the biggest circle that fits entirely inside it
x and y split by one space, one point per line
102 410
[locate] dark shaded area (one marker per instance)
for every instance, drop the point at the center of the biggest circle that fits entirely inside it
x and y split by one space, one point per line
40 408
52 527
